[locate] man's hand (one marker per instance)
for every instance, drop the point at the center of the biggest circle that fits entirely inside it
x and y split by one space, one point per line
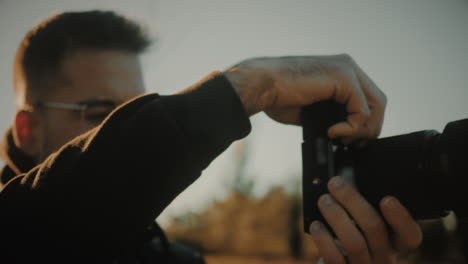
360 229
281 86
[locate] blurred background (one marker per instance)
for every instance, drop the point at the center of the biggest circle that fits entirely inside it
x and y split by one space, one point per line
416 51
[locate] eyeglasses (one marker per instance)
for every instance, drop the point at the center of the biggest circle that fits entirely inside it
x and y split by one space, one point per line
93 111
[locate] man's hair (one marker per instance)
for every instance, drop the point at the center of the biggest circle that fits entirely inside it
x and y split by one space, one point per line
43 49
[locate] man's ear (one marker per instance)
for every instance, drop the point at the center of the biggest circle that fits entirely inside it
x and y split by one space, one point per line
25 132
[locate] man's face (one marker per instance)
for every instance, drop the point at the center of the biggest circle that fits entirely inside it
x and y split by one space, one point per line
90 76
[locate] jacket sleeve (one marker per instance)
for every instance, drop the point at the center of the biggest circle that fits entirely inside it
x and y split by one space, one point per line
106 187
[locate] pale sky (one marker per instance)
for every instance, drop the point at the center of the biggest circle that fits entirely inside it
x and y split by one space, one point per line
415 50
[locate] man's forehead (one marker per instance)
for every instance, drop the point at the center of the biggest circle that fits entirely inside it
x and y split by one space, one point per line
109 75
99 58
101 65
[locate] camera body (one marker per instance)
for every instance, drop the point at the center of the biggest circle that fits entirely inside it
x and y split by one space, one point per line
423 169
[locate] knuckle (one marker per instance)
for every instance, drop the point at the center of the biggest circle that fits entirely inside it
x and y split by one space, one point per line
376 227
344 192
357 248
384 98
415 241
342 87
410 242
376 133
366 112
380 102
359 127
346 58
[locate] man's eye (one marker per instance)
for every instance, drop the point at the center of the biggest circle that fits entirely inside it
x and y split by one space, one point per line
96 118
97 114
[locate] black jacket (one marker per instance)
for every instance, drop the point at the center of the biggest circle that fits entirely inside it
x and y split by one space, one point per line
98 196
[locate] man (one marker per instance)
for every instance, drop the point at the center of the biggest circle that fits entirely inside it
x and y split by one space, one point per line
70 72
74 69
96 199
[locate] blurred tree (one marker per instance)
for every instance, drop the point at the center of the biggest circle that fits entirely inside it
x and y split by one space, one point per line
241 182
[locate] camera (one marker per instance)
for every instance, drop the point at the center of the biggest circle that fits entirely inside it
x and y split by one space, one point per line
422 169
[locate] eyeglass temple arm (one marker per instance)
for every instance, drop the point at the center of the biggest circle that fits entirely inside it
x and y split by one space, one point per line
63 106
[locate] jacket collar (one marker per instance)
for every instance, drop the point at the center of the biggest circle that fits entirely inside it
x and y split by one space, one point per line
17 162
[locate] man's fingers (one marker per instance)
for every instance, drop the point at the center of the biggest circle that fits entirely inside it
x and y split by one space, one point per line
350 93
326 244
277 85
408 234
367 121
370 88
351 239
364 215
376 100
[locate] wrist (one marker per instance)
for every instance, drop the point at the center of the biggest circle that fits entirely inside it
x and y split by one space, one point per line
253 84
